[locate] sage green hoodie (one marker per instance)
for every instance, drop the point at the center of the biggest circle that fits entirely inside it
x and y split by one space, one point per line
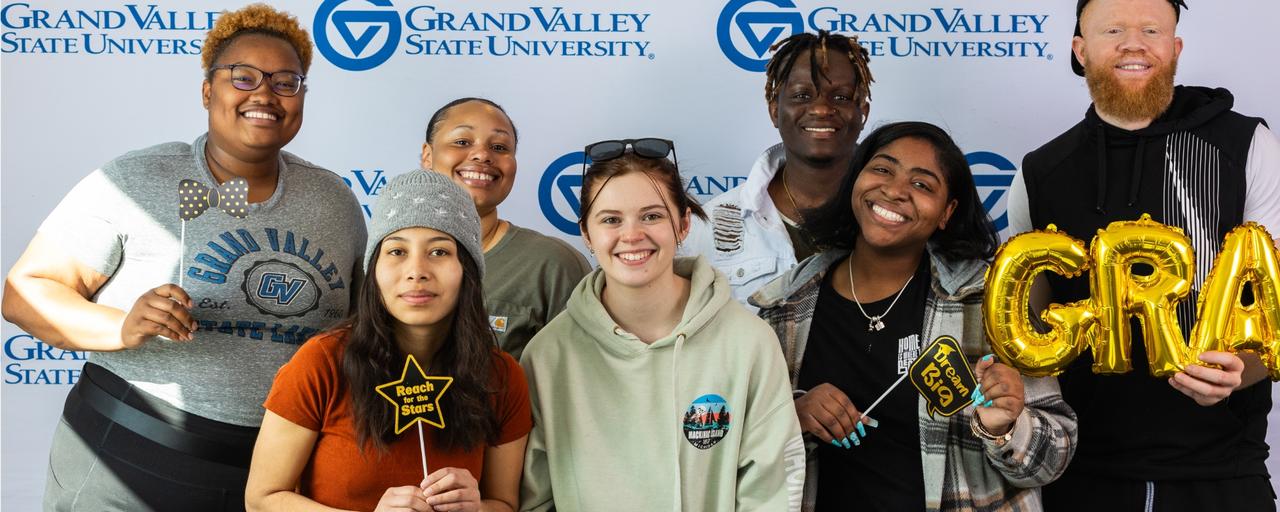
700 420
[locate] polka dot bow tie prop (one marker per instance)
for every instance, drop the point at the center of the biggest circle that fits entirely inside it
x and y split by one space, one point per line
231 197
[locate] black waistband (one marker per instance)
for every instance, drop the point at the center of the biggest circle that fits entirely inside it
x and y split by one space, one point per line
122 403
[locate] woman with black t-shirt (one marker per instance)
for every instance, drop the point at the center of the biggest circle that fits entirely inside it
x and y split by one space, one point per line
907 242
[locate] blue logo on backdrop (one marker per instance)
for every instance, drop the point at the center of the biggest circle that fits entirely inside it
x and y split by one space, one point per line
434 30
558 192
746 33
777 25
993 185
561 185
357 28
30 362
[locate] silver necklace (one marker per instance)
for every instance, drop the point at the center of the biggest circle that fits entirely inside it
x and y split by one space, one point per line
874 322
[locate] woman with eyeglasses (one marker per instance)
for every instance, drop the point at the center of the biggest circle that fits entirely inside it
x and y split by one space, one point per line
188 291
653 367
529 275
907 243
329 439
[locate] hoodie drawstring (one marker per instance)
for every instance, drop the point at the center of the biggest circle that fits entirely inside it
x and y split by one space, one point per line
1135 181
677 499
1102 169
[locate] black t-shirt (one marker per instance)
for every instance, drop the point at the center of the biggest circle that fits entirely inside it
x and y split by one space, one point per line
885 472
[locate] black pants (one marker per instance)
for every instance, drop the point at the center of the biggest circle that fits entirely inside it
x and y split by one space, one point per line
1074 492
100 462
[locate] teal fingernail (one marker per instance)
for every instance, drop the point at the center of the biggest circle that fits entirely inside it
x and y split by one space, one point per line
846 442
988 357
871 422
861 431
856 441
988 404
835 443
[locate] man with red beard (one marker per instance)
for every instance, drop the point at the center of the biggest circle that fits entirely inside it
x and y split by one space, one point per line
1197 440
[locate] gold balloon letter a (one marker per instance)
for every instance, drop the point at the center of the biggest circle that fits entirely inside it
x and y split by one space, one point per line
1005 305
1248 256
1118 293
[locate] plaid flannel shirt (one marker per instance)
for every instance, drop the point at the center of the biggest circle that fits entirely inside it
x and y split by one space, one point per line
961 471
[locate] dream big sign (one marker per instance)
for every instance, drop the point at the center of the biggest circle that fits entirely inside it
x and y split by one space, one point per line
1101 322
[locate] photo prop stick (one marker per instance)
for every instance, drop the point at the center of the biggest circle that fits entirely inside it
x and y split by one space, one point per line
194 198
941 375
416 397
1101 322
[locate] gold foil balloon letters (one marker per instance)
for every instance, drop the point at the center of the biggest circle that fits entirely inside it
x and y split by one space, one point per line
1120 291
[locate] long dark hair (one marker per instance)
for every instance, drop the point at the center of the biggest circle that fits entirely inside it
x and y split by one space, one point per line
371 358
968 235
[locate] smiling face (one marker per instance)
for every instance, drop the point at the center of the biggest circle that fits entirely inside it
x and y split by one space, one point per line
819 122
474 144
253 125
1130 54
901 197
419 276
631 230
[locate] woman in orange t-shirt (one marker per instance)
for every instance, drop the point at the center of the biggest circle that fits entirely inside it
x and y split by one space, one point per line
328 439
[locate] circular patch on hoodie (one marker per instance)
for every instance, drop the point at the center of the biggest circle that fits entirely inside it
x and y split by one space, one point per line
707 421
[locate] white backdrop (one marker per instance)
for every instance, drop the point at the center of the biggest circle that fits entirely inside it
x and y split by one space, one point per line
85 81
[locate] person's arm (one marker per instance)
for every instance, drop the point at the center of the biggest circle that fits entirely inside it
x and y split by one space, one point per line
47 294
1206 385
454 489
1041 426
279 456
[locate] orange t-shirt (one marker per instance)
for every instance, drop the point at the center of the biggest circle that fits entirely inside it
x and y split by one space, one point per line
309 391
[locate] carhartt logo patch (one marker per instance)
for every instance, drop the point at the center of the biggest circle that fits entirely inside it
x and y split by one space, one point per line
498 323
707 421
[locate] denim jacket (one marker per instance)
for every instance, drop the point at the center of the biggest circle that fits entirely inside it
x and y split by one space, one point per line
745 237
961 472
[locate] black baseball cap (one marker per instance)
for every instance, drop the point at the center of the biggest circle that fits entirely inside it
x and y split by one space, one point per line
1178 6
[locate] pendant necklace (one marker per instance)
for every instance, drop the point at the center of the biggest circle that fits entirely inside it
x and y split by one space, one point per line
875 323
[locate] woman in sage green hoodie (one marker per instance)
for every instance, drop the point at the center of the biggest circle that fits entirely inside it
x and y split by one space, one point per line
655 390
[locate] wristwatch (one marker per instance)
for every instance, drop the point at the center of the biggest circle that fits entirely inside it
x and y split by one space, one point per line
981 432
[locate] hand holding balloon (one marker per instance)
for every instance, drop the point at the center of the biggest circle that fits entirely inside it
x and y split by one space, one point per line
1206 385
1000 387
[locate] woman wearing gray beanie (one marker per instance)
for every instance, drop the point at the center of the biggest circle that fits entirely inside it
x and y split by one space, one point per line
327 438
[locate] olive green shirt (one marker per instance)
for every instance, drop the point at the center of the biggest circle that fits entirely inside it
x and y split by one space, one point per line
527 281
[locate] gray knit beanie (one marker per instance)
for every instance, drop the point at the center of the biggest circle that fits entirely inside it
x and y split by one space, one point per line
422 198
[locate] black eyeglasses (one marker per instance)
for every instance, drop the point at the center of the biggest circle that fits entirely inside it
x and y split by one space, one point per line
648 147
247 78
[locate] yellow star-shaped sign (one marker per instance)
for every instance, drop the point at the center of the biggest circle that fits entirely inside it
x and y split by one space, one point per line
415 396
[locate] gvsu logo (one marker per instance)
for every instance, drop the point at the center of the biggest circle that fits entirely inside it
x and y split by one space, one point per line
561 185
558 192
745 36
993 185
369 37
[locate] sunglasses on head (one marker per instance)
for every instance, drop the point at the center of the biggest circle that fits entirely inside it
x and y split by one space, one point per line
648 147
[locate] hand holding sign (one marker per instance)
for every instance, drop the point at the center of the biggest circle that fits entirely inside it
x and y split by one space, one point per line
416 398
942 376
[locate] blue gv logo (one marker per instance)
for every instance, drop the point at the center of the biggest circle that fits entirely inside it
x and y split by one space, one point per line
992 185
558 192
745 36
355 31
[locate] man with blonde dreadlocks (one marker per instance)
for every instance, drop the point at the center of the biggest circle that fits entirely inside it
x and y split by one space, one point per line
818 92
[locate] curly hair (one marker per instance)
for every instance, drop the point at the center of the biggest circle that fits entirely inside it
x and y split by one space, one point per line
255 19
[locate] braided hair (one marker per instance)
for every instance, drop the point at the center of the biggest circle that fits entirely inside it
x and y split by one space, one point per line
818 45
